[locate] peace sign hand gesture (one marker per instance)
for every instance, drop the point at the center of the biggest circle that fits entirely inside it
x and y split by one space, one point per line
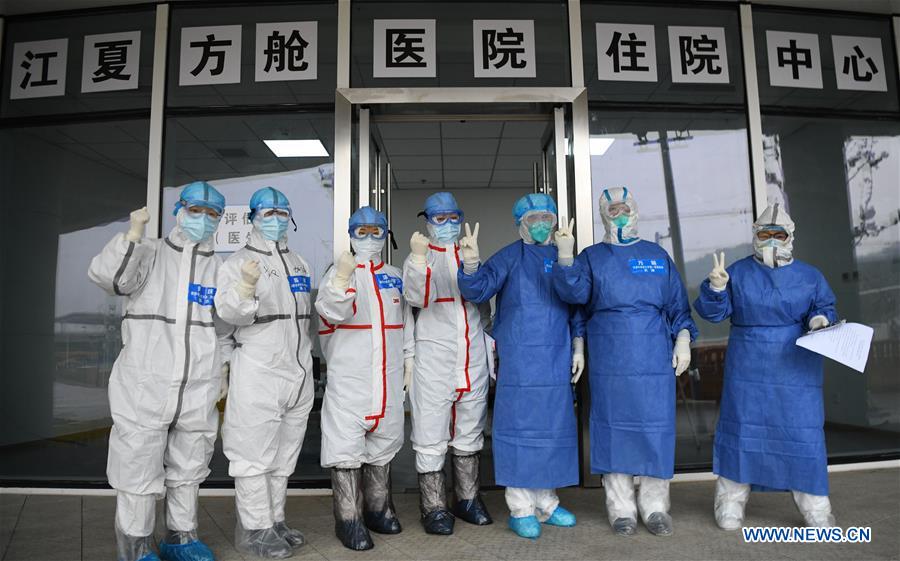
468 245
565 242
718 277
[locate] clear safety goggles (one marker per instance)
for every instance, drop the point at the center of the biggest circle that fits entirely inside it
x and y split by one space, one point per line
198 210
535 217
368 231
618 209
281 213
772 233
444 217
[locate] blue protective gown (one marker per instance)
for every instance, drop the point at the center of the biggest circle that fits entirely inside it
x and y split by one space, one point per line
635 304
535 435
770 432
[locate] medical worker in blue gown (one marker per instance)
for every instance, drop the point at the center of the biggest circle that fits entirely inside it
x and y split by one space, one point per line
639 330
770 433
535 437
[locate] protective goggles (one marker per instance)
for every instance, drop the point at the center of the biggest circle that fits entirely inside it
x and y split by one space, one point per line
281 213
368 231
444 217
618 209
197 210
535 217
769 233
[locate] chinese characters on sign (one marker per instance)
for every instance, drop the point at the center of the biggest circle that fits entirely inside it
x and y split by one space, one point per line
404 48
234 229
111 62
39 69
794 60
859 63
504 48
698 55
286 51
210 55
626 52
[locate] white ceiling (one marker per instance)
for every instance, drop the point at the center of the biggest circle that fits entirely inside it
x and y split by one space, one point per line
15 7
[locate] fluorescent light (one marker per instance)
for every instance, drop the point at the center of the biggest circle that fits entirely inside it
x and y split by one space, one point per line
600 144
297 148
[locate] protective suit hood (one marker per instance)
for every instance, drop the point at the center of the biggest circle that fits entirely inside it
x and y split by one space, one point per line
774 253
619 234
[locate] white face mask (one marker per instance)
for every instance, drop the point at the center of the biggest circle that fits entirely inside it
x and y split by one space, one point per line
774 253
367 248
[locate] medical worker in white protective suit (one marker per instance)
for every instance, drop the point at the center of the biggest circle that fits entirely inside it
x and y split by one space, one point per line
264 290
449 389
367 338
168 376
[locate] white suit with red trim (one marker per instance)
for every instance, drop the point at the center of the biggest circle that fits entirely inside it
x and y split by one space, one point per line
366 332
450 382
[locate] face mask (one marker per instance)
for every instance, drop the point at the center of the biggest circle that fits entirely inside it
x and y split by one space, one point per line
198 227
444 233
621 221
367 247
774 253
540 231
272 227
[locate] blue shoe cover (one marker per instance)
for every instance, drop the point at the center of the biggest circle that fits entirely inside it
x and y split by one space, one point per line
561 517
526 526
152 556
191 551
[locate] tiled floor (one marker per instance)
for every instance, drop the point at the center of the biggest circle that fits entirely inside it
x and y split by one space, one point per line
45 528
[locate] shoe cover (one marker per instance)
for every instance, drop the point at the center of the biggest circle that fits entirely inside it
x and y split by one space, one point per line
265 543
347 498
816 509
294 538
525 527
152 556
473 511
378 510
624 526
730 502
194 550
436 519
134 548
659 524
561 517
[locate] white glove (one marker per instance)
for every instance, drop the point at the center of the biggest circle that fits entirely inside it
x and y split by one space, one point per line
343 270
818 322
577 358
681 354
223 389
718 277
408 364
139 219
246 288
418 247
468 245
565 244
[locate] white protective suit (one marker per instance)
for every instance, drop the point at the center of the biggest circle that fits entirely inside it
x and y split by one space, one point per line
449 390
366 333
166 380
271 388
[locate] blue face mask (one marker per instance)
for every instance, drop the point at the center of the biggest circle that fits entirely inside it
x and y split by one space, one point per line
445 233
272 227
198 227
540 231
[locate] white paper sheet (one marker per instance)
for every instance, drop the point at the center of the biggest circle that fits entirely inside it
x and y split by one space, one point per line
844 342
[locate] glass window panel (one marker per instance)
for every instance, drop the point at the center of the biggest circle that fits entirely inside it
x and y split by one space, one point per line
690 176
662 90
75 28
229 152
249 91
454 45
838 180
66 190
828 96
